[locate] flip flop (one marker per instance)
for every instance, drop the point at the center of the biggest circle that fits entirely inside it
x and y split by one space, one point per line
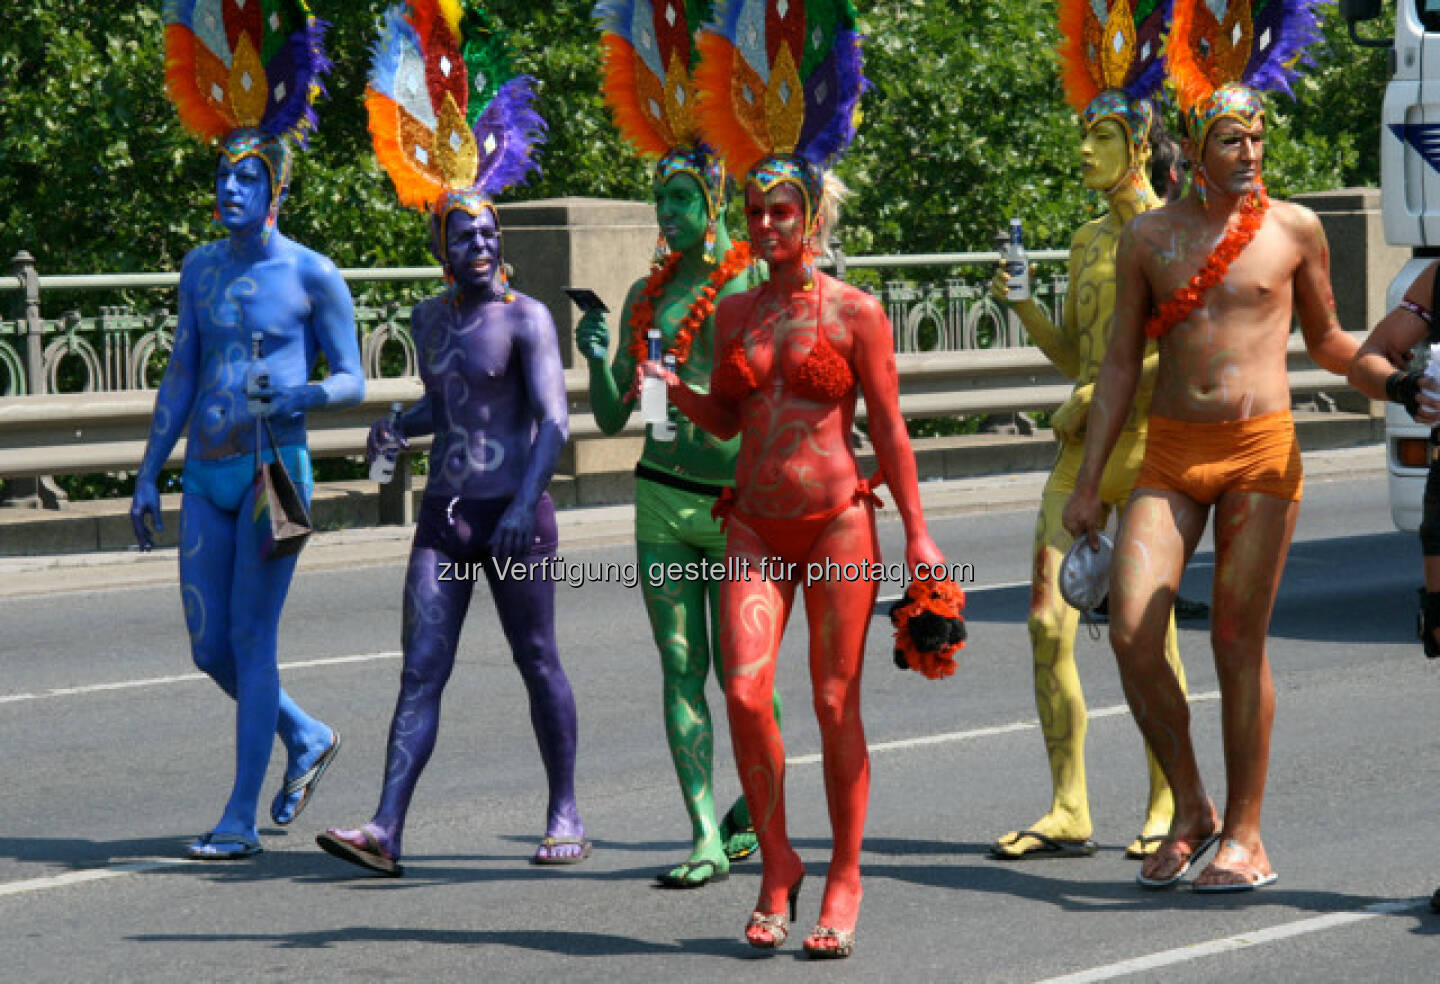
1145 850
213 847
304 784
730 829
550 843
1185 864
370 856
669 879
1249 884
1049 847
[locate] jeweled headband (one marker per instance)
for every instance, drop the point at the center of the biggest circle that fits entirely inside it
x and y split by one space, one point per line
1135 117
471 201
273 151
1232 100
707 170
774 171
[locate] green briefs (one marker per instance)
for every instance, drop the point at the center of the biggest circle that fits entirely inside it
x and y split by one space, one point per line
673 509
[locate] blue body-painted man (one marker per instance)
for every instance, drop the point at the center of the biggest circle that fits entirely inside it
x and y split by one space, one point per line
495 401
257 279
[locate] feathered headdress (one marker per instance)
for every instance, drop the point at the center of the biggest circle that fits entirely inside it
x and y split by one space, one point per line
1110 61
246 73
451 122
649 55
1222 55
779 84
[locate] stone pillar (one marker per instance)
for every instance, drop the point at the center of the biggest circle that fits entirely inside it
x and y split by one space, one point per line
39 492
1362 264
555 243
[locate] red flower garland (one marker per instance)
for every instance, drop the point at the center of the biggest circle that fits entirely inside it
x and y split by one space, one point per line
642 317
1189 297
942 598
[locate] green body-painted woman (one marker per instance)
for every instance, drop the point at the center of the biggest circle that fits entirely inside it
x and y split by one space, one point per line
678 479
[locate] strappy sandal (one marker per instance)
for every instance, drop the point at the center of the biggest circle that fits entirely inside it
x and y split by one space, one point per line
304 784
1145 840
371 856
730 829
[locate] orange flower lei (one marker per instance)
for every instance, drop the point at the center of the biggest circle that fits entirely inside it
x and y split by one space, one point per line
936 603
642 317
1189 297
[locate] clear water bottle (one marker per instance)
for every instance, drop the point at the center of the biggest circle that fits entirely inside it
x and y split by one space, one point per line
1017 265
665 429
652 390
257 379
382 469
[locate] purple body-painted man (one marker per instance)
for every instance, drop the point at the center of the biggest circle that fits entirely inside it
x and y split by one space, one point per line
495 401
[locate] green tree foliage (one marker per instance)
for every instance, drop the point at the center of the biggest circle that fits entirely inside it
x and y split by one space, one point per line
965 126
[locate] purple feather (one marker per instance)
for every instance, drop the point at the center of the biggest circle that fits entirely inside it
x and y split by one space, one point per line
1146 84
514 132
1293 25
299 65
847 77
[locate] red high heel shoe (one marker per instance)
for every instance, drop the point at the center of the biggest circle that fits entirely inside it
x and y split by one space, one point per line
774 923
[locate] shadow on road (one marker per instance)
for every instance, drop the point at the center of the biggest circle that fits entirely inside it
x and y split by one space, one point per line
560 941
968 867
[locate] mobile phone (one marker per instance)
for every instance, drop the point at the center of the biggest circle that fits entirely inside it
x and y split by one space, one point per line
586 299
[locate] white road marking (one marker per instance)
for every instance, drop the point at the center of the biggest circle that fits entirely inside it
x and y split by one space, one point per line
88 875
1240 941
1113 710
95 688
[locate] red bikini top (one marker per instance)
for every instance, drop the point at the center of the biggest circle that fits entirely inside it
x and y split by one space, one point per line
824 376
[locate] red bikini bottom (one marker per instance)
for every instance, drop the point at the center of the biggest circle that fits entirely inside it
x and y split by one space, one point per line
792 539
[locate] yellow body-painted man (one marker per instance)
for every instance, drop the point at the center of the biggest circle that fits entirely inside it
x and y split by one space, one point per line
1115 153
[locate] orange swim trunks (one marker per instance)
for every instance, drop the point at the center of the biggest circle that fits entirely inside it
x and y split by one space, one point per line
1205 459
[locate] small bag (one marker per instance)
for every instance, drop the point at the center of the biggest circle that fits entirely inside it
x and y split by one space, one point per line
1084 576
280 514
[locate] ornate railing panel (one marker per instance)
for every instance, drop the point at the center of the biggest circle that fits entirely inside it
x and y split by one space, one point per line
119 347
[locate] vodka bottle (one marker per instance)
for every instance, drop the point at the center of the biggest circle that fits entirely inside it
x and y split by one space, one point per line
1017 266
382 469
652 390
257 380
664 430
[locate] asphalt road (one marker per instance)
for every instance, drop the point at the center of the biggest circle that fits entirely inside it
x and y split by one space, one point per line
116 755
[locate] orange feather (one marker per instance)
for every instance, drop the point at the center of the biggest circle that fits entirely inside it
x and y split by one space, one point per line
1075 73
621 88
721 124
1192 85
197 113
414 188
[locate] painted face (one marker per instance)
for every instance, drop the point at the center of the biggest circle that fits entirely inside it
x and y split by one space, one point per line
681 211
1234 152
242 193
776 219
1105 155
472 249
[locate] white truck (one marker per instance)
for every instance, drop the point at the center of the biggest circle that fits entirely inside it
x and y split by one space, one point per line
1410 199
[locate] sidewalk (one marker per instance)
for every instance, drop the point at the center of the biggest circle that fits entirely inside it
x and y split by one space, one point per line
580 527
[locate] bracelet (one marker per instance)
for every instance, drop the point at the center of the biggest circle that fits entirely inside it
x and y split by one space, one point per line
1418 310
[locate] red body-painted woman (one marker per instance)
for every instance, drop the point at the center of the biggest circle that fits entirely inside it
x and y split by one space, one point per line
792 356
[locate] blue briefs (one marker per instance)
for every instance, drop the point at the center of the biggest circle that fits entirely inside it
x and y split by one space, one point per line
225 482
